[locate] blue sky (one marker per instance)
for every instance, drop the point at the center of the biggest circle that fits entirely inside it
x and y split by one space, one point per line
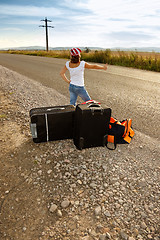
83 23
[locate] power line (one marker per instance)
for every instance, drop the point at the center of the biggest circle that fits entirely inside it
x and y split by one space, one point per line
46 27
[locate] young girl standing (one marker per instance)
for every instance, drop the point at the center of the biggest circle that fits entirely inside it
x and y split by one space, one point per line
76 69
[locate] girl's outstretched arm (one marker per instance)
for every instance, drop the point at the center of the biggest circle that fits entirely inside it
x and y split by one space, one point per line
96 66
63 75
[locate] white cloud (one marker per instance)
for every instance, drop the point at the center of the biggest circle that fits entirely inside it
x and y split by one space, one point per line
123 8
103 23
16 21
125 11
11 29
13 10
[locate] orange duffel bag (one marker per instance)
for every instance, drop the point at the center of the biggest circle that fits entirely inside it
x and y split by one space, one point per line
119 132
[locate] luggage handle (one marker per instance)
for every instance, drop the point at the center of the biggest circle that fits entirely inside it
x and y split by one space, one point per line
58 108
95 105
33 128
40 110
90 102
110 145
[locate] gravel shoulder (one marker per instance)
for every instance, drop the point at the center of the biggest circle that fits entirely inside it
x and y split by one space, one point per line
53 191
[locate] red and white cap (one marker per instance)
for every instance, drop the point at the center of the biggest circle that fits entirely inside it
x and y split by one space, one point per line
75 51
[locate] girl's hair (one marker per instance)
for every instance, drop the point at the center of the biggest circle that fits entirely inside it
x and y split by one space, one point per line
75 59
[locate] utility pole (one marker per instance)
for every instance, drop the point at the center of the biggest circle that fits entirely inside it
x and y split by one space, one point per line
46 26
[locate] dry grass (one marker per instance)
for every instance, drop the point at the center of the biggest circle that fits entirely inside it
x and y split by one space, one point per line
142 60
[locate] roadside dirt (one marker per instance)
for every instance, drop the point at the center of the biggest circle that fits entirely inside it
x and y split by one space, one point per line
17 195
24 205
53 191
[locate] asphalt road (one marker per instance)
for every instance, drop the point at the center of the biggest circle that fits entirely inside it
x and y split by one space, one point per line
130 93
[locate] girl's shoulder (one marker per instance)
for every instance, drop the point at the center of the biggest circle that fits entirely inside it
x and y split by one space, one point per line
67 64
82 63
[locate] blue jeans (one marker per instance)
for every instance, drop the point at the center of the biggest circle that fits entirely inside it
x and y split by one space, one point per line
76 91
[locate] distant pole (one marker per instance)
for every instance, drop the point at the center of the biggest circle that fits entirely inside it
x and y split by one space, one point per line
46 27
46 34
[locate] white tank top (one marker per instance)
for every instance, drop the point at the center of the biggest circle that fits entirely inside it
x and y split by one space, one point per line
77 74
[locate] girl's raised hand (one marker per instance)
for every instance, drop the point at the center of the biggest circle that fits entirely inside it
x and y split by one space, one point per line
105 66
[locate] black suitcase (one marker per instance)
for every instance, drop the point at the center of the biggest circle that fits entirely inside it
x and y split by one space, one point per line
91 125
52 123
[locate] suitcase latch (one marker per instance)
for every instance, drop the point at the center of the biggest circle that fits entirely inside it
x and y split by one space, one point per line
93 110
